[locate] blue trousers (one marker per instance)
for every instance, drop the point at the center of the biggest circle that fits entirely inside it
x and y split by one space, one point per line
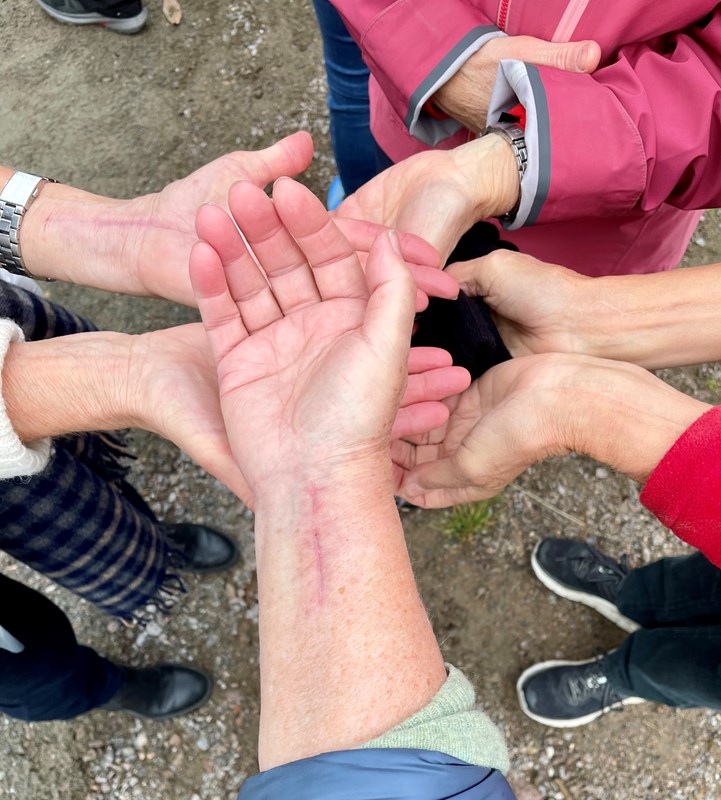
357 155
52 676
675 658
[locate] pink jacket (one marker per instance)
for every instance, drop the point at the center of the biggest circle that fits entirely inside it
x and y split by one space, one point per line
618 161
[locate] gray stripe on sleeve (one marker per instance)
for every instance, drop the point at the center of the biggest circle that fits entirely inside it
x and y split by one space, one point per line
444 71
543 130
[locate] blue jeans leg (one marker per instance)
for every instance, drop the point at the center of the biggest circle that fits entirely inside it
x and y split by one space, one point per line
354 147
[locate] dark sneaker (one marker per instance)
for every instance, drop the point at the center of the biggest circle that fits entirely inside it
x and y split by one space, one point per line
566 694
195 548
121 16
162 692
577 571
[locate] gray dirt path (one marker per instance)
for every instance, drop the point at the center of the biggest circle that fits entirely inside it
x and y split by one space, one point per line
122 116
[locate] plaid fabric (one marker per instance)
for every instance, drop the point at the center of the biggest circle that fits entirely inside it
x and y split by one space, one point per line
79 522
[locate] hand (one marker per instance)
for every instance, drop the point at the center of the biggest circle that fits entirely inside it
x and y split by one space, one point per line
171 388
312 354
467 95
525 410
439 195
141 246
538 307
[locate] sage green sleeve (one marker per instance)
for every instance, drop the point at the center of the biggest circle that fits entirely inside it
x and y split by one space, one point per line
453 724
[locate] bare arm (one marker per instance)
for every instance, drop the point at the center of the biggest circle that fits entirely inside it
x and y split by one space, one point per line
311 368
531 408
663 319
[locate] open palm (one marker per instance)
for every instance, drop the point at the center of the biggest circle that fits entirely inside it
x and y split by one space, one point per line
312 352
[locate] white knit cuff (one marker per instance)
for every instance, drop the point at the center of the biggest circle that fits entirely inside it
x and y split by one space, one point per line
16 459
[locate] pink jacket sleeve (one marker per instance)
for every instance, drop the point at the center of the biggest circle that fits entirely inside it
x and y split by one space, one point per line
684 491
642 131
394 38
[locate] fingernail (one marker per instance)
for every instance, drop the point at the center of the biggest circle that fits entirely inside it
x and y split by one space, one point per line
395 241
412 490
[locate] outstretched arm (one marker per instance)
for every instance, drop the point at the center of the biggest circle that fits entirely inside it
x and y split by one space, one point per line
140 246
162 381
312 366
525 410
664 319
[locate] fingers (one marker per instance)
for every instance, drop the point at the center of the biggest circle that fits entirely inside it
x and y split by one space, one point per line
434 282
445 482
435 384
283 262
246 283
333 259
417 419
289 156
218 310
423 358
361 234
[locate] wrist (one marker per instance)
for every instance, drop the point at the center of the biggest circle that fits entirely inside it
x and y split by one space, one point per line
491 169
623 416
66 385
72 235
345 481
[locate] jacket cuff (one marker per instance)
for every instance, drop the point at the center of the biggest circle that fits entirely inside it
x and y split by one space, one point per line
423 126
518 82
585 156
16 459
414 46
684 489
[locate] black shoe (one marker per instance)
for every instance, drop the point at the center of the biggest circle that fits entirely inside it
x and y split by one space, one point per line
196 548
121 16
161 692
565 694
577 571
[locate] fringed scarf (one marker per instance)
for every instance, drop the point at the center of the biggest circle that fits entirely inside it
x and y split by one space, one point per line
79 522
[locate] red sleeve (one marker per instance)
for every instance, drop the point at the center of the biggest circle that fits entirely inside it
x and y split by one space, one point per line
684 491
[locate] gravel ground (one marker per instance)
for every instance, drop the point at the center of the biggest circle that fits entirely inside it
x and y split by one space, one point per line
126 115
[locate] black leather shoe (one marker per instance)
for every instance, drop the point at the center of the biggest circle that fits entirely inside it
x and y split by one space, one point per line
201 549
162 692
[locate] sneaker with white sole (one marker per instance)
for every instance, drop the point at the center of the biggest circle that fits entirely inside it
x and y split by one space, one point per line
575 570
121 16
566 694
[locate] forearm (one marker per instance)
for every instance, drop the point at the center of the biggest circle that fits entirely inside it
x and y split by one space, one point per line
622 416
347 650
71 235
666 319
66 385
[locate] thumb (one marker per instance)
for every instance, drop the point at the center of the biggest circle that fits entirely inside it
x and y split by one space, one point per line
569 56
391 308
483 276
289 156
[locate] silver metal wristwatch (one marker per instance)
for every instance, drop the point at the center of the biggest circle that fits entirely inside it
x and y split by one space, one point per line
515 135
15 199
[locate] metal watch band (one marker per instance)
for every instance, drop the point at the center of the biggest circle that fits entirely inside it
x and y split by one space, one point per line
15 199
517 138
515 135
